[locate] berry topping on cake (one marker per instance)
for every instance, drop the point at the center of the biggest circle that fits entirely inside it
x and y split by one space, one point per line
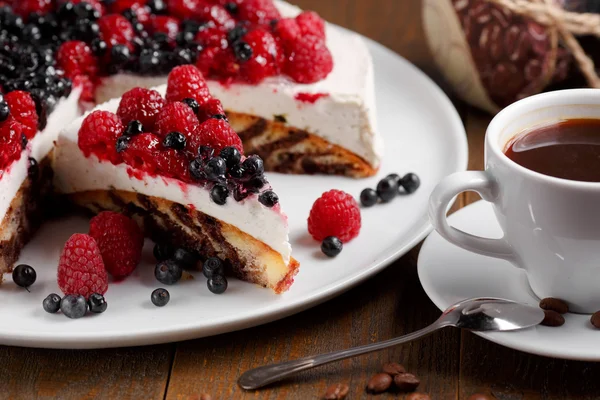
176 117
120 241
26 7
116 29
260 12
142 105
142 151
265 57
335 213
184 8
80 268
22 108
10 143
211 109
308 59
165 24
98 135
76 58
187 82
218 134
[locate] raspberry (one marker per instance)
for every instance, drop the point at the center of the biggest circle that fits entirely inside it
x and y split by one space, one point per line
87 88
115 29
187 81
22 108
287 29
26 7
142 153
184 9
118 6
216 14
164 24
260 12
141 104
310 23
265 58
76 58
98 135
308 59
335 213
173 164
176 117
212 38
206 59
120 242
10 143
209 109
80 267
217 134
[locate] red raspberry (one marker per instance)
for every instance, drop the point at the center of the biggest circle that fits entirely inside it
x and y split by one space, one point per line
212 38
209 109
310 23
308 59
116 29
10 143
22 108
288 29
165 24
94 3
80 267
98 135
120 242
176 117
335 213
26 7
216 14
141 104
118 6
76 58
142 153
260 12
184 9
187 81
87 88
217 134
266 57
206 59
173 164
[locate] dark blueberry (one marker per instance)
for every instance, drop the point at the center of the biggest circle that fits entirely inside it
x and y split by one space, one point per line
331 246
160 297
239 193
99 47
162 41
162 251
220 116
236 171
73 306
23 141
268 198
190 25
253 166
68 86
215 169
192 103
219 194
231 7
150 61
242 51
51 303
273 23
122 143
129 14
253 185
206 152
231 155
137 26
66 11
197 169
24 275
212 266
97 304
175 141
84 10
168 272
410 182
31 33
157 6
217 284
186 259
4 111
236 34
134 127
387 189
368 197
34 169
183 56
395 177
184 38
84 30
119 54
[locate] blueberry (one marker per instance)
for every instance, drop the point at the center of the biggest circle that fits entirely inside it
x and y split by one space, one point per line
119 54
134 127
387 189
231 7
253 166
268 198
217 284
242 51
192 103
162 251
236 34
73 306
97 304
197 169
149 61
212 266
215 169
410 182
220 116
24 275
184 38
254 185
168 272
34 169
219 194
24 141
160 297
185 258
395 177
183 56
231 155
51 303
4 111
157 6
99 47
331 246
368 197
175 141
122 143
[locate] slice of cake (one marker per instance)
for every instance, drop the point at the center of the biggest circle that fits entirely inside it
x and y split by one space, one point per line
169 158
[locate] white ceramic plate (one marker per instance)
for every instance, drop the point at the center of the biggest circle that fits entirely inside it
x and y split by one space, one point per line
423 133
449 274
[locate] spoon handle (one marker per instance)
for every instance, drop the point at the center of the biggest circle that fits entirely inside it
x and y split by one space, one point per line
262 376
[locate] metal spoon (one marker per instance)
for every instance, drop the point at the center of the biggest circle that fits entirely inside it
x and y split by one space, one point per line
480 314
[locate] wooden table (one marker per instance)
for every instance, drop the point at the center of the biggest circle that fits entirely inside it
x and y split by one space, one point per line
451 365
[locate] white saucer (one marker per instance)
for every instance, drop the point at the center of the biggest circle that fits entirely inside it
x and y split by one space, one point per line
449 274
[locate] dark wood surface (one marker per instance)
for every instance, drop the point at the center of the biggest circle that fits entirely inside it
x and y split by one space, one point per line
451 365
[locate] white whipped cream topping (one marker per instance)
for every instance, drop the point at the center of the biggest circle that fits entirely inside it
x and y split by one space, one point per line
67 109
76 173
346 117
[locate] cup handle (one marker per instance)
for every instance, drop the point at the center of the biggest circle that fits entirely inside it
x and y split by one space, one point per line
476 181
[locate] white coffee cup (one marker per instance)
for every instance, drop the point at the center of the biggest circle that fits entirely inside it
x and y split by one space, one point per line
551 226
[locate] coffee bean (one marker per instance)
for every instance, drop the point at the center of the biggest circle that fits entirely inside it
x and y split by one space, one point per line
596 319
406 382
379 383
552 318
393 369
417 396
337 391
480 396
558 305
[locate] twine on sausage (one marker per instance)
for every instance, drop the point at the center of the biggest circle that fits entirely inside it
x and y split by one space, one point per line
568 24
